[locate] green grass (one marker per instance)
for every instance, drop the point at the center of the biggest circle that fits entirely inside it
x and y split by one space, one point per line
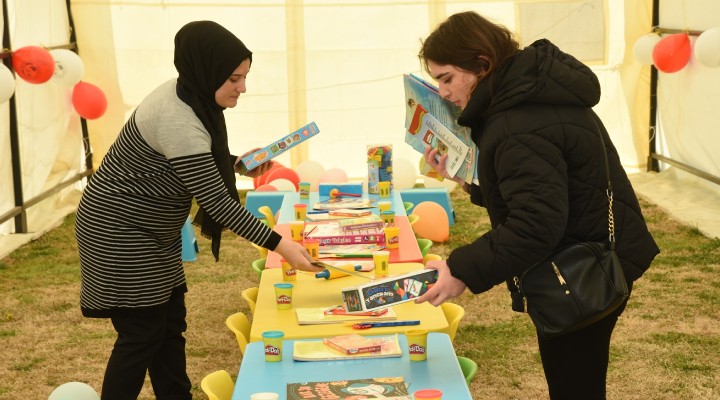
666 345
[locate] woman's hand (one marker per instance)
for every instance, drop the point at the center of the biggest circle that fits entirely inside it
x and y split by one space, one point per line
296 255
447 286
439 164
257 171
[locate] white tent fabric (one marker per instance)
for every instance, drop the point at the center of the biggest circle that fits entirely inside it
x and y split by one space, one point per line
338 63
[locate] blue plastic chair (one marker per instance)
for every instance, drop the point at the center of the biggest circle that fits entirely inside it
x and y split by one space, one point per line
189 242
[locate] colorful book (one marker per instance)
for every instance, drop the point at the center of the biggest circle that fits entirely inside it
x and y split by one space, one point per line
316 350
366 222
330 233
350 213
318 316
352 344
426 111
363 250
277 147
343 203
371 388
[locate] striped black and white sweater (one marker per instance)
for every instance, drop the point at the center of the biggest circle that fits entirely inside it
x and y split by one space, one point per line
130 217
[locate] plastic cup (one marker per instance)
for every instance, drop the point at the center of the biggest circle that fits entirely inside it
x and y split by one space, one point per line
388 217
313 248
272 340
296 230
384 205
392 237
300 211
381 259
283 295
304 190
384 188
428 394
288 272
417 344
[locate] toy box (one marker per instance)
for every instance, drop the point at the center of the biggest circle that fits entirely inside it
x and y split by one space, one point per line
388 291
277 147
379 160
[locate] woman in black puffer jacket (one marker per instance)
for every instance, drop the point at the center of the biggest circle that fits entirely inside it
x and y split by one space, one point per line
541 177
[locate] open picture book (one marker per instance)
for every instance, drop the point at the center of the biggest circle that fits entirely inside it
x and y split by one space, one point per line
432 120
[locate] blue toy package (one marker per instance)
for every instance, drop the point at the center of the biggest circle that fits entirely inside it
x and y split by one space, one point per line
389 291
277 147
379 159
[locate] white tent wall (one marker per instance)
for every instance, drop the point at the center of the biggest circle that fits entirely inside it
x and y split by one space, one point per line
48 131
338 63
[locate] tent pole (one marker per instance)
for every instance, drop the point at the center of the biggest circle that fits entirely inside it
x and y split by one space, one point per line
652 163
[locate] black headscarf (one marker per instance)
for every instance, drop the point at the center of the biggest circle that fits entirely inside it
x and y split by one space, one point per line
206 54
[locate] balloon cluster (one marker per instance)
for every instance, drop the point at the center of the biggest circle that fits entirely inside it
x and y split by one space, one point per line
36 65
671 53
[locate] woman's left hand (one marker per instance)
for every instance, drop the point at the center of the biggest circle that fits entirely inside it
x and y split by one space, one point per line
260 169
447 286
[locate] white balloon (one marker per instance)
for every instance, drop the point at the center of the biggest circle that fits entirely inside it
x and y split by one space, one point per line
7 83
404 174
707 48
434 183
74 391
644 47
69 68
310 171
283 185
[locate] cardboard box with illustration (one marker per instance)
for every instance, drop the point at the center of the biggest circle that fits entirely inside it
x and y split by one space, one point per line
388 291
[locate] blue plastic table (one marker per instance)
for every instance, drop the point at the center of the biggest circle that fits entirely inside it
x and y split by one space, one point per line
440 371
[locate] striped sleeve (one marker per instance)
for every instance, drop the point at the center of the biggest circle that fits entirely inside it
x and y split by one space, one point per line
202 179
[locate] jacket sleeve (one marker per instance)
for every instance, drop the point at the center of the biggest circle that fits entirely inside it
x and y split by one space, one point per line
532 185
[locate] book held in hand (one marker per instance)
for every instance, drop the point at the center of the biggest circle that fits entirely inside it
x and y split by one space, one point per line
423 101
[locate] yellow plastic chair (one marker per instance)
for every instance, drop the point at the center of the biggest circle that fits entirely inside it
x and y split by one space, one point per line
269 217
431 257
259 266
250 296
218 385
261 250
453 313
239 324
408 206
425 245
413 218
468 367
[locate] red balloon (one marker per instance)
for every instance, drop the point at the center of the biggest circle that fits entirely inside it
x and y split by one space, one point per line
89 100
266 188
672 53
284 173
263 178
33 64
256 182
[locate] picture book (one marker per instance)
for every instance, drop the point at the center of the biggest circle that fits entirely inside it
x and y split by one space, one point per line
369 221
362 250
316 350
423 100
426 130
319 316
370 388
330 233
277 147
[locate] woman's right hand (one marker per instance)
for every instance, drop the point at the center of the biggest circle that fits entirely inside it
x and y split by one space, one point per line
295 254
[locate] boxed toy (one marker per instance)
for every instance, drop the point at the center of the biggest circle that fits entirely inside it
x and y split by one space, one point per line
388 291
379 160
277 147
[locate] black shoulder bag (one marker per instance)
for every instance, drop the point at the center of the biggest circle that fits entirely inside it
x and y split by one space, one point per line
577 285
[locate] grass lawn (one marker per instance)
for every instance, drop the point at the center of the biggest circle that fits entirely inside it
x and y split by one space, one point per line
666 344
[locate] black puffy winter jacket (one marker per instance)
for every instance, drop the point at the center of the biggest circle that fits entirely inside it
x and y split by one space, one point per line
541 170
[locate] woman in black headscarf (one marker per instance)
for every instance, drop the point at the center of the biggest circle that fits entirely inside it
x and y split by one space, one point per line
172 149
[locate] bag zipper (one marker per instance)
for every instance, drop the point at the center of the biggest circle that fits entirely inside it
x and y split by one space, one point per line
564 286
516 281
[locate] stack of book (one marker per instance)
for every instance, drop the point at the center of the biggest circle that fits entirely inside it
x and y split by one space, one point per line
331 233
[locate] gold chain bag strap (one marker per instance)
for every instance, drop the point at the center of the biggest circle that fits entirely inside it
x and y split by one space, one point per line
577 285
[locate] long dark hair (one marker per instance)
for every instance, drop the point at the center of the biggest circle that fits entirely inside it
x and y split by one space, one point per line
469 41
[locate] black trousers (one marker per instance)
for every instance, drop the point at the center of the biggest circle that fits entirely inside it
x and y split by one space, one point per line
576 364
149 342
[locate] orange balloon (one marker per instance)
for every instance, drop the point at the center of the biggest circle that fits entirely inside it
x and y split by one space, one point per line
284 173
672 53
434 223
89 100
263 178
33 64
